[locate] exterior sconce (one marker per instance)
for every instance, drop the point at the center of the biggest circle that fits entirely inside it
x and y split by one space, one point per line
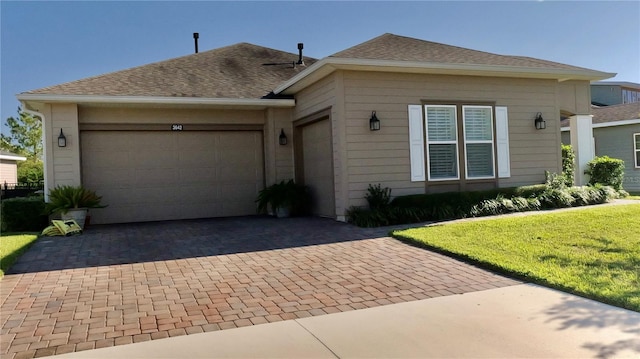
374 123
62 141
282 139
540 122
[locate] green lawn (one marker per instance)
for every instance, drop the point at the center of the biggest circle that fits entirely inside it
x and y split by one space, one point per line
12 246
592 252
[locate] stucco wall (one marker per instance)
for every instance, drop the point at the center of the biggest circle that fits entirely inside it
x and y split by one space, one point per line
617 142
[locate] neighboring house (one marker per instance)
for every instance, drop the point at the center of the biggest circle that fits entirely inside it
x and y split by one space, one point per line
616 133
9 167
198 136
607 93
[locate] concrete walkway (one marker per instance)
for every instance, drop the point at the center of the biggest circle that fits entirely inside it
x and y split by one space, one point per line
520 321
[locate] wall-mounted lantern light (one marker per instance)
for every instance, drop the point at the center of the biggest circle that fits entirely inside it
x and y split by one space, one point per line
374 123
539 122
62 141
282 138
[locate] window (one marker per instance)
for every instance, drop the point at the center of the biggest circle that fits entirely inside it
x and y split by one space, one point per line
443 145
636 148
442 142
478 141
630 96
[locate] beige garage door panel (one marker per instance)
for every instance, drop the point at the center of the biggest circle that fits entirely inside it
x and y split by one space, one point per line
150 176
318 166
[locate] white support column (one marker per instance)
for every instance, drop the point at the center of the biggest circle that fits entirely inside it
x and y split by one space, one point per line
582 144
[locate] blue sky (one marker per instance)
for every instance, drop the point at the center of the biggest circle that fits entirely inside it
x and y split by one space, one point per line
47 43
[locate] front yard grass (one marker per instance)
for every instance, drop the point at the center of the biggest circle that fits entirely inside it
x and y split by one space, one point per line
12 245
592 252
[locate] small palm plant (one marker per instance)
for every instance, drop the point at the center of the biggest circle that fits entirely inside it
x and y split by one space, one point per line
284 198
64 198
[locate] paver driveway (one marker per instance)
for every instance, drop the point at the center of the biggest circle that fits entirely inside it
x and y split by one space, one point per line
121 284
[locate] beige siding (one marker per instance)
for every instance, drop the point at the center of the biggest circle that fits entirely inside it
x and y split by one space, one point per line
383 156
328 93
575 97
278 158
316 98
8 172
65 161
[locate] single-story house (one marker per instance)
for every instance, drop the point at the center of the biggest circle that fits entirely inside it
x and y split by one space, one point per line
616 133
199 136
9 167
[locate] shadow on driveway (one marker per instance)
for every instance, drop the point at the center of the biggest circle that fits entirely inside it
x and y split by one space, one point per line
102 245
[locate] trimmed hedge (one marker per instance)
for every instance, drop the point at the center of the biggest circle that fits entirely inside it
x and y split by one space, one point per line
606 171
23 214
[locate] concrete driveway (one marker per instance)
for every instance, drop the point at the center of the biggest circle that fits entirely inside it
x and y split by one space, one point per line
122 284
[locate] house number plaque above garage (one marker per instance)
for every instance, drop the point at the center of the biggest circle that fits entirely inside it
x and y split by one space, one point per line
176 127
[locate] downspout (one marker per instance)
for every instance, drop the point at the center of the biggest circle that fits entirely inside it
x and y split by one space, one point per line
44 148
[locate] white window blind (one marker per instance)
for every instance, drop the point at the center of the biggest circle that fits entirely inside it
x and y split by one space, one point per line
478 135
442 142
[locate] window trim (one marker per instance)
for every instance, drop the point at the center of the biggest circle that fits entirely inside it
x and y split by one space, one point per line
636 149
492 142
428 142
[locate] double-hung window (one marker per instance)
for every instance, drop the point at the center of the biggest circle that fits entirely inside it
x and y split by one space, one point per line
478 141
448 150
442 142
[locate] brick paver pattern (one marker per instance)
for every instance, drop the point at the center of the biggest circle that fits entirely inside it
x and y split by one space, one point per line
73 306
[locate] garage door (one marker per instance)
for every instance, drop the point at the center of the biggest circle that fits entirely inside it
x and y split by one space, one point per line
318 166
152 176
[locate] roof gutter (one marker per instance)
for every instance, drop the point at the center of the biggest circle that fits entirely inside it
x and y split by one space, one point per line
155 100
330 64
12 157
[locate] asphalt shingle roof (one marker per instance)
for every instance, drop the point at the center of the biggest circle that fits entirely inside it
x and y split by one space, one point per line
236 71
240 72
401 48
614 113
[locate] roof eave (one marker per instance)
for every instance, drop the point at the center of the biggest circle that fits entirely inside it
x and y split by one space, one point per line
156 100
12 157
330 64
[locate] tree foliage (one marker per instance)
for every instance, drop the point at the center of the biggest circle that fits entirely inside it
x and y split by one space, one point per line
30 171
24 136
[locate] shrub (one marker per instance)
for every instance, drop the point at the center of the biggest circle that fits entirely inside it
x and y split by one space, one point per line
532 191
451 205
295 197
23 214
568 164
606 171
378 197
586 195
64 198
501 205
